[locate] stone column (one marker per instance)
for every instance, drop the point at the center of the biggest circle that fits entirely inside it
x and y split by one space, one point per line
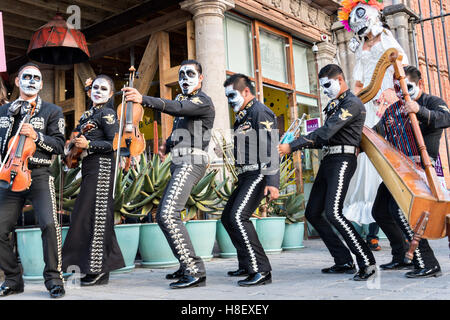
325 55
210 51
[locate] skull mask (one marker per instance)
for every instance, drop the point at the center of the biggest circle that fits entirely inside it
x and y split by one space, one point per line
365 19
235 99
30 81
331 87
413 89
101 91
188 78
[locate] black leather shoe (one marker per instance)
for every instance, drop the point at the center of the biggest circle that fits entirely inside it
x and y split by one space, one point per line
341 268
425 272
396 265
238 273
176 275
94 279
365 274
6 291
57 291
255 279
188 281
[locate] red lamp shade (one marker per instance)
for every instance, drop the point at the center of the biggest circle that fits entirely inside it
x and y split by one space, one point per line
57 43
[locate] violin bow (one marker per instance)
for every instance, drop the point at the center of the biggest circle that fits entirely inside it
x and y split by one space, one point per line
118 144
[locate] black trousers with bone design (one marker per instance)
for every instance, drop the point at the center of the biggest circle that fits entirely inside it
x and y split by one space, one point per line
327 194
185 175
236 219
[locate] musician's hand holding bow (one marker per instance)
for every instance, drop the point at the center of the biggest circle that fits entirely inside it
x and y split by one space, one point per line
284 149
81 142
28 130
133 95
411 107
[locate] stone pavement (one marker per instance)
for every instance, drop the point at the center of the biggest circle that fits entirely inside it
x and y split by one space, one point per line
296 275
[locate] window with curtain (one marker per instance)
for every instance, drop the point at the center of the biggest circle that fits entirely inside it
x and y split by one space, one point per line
273 57
305 68
238 45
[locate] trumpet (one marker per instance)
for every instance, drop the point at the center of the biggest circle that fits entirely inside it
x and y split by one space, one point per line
293 131
226 149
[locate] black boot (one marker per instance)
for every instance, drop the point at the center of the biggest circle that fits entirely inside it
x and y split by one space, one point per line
238 273
405 264
5 290
57 291
255 279
176 275
94 279
188 281
365 274
425 272
341 268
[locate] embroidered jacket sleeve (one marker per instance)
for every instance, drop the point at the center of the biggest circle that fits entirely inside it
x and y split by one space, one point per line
109 125
193 106
268 139
435 115
345 114
53 139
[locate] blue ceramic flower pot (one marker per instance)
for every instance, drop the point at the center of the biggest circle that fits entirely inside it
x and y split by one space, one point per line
227 249
293 236
270 232
29 245
154 248
128 239
202 234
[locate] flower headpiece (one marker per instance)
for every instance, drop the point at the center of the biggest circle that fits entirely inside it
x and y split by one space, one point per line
348 5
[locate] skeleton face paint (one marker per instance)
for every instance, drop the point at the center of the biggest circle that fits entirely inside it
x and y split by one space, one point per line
413 89
188 78
235 99
365 19
101 90
331 87
30 81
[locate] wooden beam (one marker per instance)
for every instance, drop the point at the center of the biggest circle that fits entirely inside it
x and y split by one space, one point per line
67 106
165 91
190 34
118 21
16 43
17 32
79 94
84 72
24 10
110 6
170 76
60 85
128 38
148 65
14 20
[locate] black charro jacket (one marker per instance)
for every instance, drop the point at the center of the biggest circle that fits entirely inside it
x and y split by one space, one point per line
47 121
190 110
343 125
255 140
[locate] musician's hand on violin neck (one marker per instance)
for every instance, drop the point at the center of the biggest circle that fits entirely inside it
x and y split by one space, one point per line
411 107
28 130
132 95
81 142
284 149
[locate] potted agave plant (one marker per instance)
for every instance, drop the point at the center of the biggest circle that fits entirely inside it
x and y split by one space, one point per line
293 209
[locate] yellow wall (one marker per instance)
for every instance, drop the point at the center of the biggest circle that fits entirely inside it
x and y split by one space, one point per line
278 102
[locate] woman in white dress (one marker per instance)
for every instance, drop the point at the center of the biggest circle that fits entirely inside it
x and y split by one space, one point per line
365 22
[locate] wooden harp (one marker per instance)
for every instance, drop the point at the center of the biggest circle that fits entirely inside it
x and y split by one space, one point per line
416 190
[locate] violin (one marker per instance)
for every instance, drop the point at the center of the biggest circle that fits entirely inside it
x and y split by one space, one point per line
14 172
129 138
73 153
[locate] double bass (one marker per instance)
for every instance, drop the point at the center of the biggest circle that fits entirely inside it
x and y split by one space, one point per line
416 190
14 172
129 139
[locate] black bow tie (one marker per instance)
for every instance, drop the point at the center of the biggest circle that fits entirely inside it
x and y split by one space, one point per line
17 106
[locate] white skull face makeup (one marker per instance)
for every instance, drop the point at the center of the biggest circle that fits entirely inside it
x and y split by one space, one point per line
101 90
365 19
30 81
235 99
188 78
413 89
331 87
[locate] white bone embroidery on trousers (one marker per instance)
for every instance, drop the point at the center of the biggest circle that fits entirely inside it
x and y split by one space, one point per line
410 237
101 204
57 227
240 225
340 220
167 215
